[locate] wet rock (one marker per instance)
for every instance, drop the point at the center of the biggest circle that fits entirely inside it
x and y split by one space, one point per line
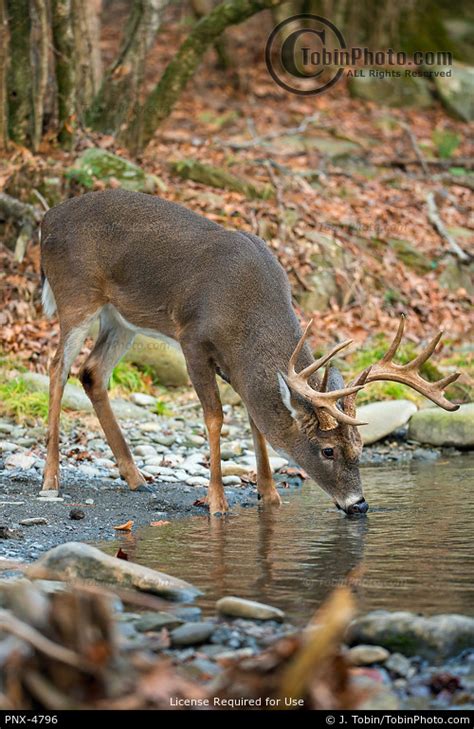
157 621
76 560
188 613
383 418
202 669
457 91
365 655
240 608
442 428
192 633
436 637
20 460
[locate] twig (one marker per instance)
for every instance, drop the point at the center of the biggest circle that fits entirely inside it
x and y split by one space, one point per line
436 222
257 140
466 162
40 197
416 148
10 624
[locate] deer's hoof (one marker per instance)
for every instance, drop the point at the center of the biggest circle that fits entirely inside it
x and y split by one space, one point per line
145 488
218 509
271 499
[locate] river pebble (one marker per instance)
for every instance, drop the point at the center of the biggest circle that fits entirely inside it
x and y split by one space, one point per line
192 633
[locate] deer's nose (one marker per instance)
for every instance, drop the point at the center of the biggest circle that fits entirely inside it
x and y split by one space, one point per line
360 507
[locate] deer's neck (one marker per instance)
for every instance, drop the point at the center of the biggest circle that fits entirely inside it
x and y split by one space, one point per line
257 383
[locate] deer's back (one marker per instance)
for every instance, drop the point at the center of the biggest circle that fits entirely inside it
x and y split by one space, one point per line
153 258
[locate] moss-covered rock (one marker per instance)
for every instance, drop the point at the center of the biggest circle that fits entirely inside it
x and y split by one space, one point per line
191 169
457 91
99 165
410 256
167 363
400 91
434 638
442 428
328 256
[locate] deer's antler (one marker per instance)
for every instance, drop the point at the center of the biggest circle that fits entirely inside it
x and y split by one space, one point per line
406 374
324 402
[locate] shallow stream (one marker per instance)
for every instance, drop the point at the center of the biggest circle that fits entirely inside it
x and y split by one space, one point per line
413 550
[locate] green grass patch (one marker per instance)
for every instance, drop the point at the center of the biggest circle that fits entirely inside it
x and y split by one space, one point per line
127 378
19 401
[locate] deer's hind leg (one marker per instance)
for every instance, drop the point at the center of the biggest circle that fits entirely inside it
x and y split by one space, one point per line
71 340
113 341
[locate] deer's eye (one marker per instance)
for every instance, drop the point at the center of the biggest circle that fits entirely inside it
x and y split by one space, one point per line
328 452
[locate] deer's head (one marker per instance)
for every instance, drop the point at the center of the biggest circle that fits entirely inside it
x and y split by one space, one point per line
325 439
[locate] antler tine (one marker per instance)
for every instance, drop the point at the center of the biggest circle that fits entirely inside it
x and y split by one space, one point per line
389 355
298 348
308 371
408 374
425 354
445 381
350 401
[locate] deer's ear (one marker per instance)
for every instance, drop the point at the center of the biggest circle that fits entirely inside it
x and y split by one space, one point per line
285 393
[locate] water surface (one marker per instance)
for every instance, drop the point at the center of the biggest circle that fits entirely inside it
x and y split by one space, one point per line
414 547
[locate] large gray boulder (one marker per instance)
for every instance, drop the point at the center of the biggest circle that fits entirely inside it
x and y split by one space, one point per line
434 638
438 427
383 418
457 91
75 560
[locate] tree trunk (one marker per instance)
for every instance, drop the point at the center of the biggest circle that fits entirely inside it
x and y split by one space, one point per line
162 99
118 99
63 43
20 91
86 30
3 75
40 47
200 9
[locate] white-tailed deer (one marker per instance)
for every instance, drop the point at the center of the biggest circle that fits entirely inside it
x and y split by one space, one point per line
142 264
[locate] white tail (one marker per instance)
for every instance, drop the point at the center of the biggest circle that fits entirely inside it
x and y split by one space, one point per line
48 300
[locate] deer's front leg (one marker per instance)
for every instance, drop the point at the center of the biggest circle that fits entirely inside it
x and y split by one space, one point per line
203 378
265 483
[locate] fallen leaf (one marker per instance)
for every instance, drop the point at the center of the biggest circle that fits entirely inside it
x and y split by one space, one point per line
121 554
161 522
200 502
127 527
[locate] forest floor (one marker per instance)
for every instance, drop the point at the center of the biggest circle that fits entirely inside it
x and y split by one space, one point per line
349 201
